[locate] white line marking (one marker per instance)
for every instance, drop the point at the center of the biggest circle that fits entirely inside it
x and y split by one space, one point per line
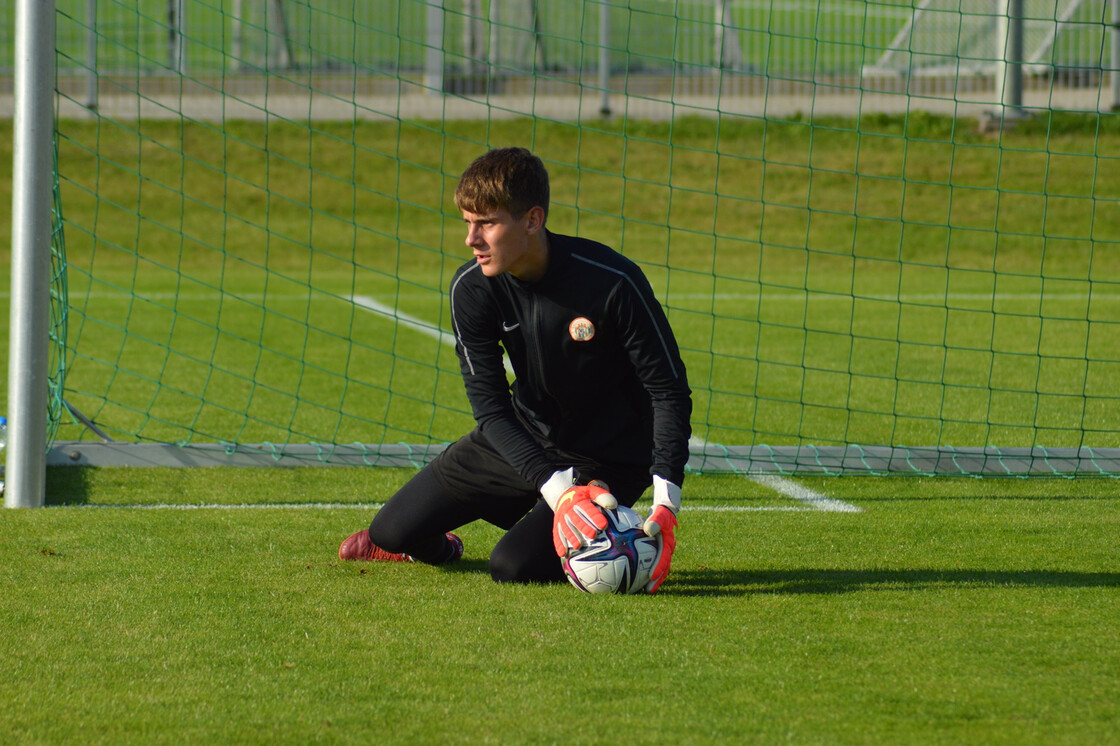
371 304
803 494
378 506
791 489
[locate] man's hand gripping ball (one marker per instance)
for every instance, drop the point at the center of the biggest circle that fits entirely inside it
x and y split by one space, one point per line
577 518
663 520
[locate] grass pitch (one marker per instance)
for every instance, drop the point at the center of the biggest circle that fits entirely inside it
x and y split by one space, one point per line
944 611
208 606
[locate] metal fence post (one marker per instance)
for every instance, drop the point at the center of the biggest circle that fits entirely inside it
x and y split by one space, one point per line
92 85
1013 79
1114 58
433 55
605 58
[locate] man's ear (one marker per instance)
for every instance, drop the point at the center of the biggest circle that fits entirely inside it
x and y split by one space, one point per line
534 219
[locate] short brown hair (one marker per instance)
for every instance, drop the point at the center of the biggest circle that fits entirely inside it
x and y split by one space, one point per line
504 178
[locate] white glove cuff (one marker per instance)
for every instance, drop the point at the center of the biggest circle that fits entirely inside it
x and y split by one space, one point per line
557 485
666 493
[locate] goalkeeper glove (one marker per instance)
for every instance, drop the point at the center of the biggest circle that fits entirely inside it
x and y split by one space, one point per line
577 516
663 520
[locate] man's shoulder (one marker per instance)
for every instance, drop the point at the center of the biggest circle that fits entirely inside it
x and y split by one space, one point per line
591 254
467 274
464 268
468 284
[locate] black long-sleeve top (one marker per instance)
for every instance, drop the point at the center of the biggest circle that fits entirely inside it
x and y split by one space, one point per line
597 367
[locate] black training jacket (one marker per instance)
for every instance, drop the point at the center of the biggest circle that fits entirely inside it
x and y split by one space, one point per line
597 367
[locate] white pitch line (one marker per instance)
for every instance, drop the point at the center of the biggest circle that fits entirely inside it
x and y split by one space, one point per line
781 485
378 506
376 306
803 494
811 499
371 304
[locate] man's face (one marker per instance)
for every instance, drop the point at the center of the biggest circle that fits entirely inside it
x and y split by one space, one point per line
501 242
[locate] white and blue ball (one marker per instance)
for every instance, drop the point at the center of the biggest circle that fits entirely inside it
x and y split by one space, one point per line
618 560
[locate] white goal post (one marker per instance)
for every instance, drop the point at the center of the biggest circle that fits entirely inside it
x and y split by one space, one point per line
32 185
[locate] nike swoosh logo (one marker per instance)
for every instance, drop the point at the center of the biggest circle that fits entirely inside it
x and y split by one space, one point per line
509 327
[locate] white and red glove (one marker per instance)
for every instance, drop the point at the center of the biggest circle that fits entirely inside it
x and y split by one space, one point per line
663 520
577 515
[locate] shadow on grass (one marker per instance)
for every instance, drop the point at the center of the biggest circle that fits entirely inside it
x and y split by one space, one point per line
67 485
706 582
467 566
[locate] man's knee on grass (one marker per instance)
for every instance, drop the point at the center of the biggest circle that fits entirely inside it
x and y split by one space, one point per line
515 567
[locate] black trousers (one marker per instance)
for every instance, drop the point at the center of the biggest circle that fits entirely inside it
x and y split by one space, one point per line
470 481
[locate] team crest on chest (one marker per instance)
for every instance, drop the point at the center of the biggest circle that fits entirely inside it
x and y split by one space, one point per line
581 329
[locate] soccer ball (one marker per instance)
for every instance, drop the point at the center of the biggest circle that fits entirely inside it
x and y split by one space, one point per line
619 560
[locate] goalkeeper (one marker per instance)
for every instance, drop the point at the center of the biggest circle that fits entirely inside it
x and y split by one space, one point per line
600 393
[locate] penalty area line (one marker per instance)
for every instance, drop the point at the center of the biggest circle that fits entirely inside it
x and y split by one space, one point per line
803 494
431 330
811 499
381 309
378 506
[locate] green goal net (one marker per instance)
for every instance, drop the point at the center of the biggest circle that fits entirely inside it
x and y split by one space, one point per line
863 276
